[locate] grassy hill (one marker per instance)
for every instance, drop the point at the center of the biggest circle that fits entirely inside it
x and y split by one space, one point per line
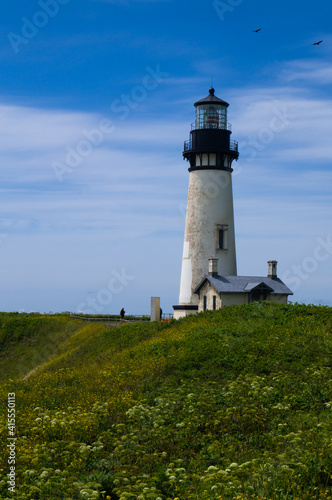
27 340
230 404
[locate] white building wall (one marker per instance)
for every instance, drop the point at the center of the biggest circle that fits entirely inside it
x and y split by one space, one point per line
210 203
281 299
209 292
231 299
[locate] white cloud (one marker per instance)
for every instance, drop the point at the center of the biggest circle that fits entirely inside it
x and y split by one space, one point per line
282 119
312 71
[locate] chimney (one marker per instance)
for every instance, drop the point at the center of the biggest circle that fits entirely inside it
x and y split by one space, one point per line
272 269
213 266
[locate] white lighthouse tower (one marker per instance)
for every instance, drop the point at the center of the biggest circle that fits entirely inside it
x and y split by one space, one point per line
209 228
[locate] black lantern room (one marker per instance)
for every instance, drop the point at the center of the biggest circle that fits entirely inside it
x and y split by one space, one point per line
209 145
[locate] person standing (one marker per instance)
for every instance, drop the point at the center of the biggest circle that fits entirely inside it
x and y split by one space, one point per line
122 313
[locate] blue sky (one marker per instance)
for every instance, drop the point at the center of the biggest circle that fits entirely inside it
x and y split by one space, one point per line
96 99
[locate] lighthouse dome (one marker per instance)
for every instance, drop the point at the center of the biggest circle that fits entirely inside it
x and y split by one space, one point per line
211 112
211 99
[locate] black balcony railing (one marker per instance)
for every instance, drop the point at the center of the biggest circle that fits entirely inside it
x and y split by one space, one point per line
233 145
209 123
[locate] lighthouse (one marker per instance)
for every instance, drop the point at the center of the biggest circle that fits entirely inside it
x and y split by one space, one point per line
209 229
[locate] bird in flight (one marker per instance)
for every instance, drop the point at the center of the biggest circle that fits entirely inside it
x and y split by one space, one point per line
256 31
317 43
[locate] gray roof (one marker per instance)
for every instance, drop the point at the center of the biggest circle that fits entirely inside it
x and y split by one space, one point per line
211 99
242 284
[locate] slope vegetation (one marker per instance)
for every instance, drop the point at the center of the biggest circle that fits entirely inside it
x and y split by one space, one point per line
27 340
230 404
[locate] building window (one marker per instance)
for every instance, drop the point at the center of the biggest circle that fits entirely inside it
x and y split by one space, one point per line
204 304
221 239
259 293
221 236
214 302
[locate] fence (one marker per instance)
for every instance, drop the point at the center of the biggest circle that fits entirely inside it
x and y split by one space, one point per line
115 320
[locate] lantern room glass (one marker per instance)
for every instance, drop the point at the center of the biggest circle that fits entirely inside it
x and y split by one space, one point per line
211 116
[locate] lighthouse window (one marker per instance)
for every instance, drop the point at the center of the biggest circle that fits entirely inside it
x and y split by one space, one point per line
221 236
211 116
205 160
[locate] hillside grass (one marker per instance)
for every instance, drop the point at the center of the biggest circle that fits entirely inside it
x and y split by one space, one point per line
27 340
229 404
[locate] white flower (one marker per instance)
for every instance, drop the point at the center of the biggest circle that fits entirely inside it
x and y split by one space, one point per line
233 465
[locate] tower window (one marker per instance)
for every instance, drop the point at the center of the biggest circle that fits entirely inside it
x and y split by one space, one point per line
205 303
214 302
221 236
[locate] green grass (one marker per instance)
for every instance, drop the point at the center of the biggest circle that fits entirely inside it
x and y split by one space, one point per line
230 404
27 340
